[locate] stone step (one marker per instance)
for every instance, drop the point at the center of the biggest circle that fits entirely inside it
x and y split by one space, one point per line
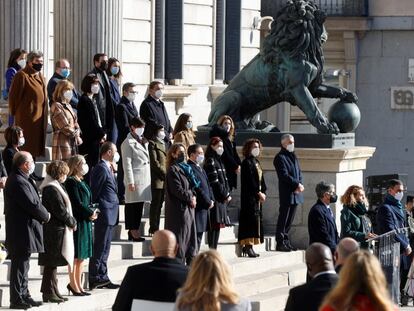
274 299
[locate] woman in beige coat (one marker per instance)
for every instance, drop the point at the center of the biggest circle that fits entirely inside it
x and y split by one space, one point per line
183 131
137 177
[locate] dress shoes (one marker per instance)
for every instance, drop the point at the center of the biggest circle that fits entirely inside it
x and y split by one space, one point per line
287 243
100 284
20 306
51 298
32 302
111 285
282 248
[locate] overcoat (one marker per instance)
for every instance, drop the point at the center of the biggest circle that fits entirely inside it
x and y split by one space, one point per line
158 158
184 137
124 112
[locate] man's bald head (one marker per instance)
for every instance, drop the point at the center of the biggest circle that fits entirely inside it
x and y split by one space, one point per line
318 259
346 247
164 244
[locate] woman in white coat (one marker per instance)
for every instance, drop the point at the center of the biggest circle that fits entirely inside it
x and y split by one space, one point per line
137 177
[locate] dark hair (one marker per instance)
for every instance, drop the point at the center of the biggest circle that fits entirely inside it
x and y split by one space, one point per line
193 148
213 141
12 134
106 146
14 55
173 149
410 198
57 169
321 188
97 56
112 61
394 182
247 147
181 122
127 85
153 84
87 82
136 122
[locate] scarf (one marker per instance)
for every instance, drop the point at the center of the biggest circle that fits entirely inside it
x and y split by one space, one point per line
194 182
396 205
360 208
68 248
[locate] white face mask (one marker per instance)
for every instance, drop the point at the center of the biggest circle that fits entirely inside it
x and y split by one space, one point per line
31 168
227 127
63 179
139 131
161 134
399 195
22 63
21 142
290 147
158 94
95 88
200 159
68 95
131 97
219 150
116 157
84 169
255 152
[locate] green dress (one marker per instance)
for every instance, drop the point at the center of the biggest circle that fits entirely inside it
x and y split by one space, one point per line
81 199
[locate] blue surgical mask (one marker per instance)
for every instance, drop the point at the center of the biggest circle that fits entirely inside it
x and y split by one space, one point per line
65 72
189 124
114 70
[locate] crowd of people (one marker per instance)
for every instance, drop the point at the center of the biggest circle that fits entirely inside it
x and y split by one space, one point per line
106 152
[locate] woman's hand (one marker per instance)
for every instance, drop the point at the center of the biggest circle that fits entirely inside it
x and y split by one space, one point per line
370 236
94 216
131 187
237 171
79 140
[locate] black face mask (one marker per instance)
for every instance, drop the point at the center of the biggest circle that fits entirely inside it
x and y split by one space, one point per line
37 67
180 158
103 65
333 198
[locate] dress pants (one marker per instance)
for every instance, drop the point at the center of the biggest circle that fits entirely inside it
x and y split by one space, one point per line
98 269
284 222
133 215
120 179
49 281
199 240
155 209
19 279
213 236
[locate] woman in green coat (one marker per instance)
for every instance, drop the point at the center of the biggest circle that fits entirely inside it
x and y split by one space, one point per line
354 221
84 212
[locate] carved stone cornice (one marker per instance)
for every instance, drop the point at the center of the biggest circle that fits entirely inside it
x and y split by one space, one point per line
177 94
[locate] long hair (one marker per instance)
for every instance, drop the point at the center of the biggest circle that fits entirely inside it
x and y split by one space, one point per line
247 147
118 76
75 164
349 197
361 274
173 149
220 122
180 125
61 87
12 135
208 283
14 55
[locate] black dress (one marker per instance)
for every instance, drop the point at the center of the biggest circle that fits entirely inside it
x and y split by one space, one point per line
251 217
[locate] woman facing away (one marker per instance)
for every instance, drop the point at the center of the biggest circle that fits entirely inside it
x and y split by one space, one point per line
209 287
361 286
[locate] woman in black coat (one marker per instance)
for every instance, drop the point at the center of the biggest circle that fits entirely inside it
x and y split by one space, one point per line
253 194
58 232
90 121
225 130
217 178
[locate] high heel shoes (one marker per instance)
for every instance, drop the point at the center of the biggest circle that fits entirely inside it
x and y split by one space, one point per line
248 251
132 238
71 290
85 293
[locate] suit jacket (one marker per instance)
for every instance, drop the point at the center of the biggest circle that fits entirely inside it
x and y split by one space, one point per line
154 114
24 215
124 112
157 280
204 195
104 191
322 226
8 154
51 86
309 296
289 175
158 156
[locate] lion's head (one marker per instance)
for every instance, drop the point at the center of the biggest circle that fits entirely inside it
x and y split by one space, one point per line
297 31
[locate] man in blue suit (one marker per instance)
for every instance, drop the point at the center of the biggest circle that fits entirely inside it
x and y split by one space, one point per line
321 220
290 191
205 196
104 192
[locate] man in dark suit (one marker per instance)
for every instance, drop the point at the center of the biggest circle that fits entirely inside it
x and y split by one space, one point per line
25 215
157 280
321 220
309 296
104 102
153 112
204 193
346 247
104 192
290 191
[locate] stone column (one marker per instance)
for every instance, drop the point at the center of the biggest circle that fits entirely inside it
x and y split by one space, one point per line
84 28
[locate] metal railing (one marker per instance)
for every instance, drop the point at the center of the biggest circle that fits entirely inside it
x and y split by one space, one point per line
330 7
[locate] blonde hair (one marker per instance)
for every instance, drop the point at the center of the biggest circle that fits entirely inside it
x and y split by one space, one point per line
349 197
61 87
74 164
220 122
208 283
361 274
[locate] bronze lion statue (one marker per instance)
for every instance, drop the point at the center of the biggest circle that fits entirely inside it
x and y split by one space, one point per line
288 68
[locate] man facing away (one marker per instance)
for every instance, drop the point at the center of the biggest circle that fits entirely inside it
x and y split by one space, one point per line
157 280
345 248
290 191
309 296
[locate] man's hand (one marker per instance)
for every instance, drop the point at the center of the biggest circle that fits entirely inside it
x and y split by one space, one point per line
211 205
131 187
79 140
262 197
103 139
193 202
408 250
3 182
228 199
94 216
238 170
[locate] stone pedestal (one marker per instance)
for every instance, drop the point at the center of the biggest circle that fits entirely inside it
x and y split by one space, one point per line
342 167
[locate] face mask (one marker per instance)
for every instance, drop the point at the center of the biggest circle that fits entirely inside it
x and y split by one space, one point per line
131 97
68 95
399 195
189 125
22 63
200 159
158 94
227 127
161 135
139 131
95 88
63 179
219 150
21 141
103 65
65 72
290 147
180 158
255 152
116 157
37 67
333 198
31 168
114 70
85 169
